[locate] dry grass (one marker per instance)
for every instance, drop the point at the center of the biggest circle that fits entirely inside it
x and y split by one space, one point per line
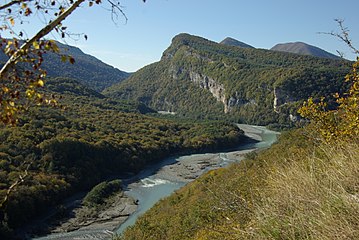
314 197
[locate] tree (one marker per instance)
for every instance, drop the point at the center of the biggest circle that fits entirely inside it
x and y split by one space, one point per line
343 122
21 75
19 83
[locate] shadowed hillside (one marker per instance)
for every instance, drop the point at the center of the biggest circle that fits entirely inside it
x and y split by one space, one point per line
86 69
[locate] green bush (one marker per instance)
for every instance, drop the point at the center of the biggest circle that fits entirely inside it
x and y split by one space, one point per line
101 192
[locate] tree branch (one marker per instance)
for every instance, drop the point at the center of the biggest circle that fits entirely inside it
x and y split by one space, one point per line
9 4
115 7
20 180
343 36
43 32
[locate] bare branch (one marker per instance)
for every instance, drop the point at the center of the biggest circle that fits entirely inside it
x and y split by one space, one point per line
115 8
343 36
9 4
20 180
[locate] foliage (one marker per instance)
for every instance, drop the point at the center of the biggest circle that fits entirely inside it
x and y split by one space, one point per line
248 77
342 122
19 86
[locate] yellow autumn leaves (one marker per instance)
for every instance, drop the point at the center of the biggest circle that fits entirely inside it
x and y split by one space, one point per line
342 122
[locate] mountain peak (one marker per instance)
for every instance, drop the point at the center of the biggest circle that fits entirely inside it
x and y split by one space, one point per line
234 42
303 49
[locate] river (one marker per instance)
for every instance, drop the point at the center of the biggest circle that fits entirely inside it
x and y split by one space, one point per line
168 175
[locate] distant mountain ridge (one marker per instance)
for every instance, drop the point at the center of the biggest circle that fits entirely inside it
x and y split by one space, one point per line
234 42
292 47
87 69
303 49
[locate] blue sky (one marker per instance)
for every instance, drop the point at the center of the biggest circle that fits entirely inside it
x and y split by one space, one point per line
261 23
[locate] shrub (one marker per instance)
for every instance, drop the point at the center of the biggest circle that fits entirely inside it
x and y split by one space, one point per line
101 192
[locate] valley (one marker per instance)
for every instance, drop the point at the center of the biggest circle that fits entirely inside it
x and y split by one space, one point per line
181 136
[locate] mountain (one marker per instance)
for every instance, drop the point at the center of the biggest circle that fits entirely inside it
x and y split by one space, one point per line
87 69
303 49
233 42
199 78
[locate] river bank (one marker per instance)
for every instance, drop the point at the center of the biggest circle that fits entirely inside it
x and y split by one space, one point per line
79 220
175 173
147 188
107 219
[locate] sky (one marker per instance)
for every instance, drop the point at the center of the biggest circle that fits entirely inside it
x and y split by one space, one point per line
150 27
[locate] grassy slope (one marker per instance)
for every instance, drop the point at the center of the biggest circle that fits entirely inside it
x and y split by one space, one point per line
306 192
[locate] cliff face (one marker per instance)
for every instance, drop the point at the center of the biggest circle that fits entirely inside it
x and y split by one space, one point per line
208 83
203 79
281 97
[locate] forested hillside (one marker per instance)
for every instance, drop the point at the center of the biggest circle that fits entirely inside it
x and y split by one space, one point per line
86 69
203 79
60 151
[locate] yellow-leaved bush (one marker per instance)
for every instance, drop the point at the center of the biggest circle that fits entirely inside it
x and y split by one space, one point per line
343 122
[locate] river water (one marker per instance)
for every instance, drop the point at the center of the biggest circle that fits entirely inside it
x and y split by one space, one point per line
163 178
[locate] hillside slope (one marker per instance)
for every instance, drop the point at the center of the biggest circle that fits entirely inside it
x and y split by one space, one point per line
87 69
203 79
297 189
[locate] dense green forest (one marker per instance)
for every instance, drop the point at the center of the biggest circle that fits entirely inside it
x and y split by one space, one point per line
245 81
89 138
